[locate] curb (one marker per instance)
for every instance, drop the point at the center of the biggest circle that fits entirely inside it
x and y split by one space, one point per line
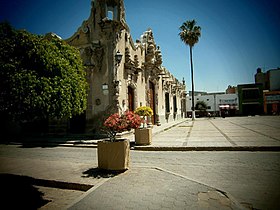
53 144
78 199
159 148
245 148
163 128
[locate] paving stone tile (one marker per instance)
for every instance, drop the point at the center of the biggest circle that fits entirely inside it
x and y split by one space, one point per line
203 204
204 196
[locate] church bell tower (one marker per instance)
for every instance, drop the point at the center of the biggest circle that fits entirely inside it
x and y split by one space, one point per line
109 9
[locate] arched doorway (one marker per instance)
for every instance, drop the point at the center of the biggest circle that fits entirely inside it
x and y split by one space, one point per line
152 100
130 99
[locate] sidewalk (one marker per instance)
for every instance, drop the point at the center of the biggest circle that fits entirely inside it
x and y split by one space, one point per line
71 141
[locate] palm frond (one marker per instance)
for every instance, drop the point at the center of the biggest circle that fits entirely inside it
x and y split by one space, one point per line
190 32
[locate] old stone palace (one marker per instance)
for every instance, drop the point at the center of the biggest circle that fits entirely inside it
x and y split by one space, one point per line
123 74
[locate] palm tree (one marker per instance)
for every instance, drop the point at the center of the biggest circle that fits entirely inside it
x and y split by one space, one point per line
190 34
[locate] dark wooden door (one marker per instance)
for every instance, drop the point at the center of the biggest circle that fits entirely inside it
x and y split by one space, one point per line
130 99
152 100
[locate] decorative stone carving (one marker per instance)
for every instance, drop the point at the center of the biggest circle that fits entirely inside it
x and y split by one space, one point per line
131 66
156 98
116 84
85 27
128 61
116 93
136 61
158 57
86 56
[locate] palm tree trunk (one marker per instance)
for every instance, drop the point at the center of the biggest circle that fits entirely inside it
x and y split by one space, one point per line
193 108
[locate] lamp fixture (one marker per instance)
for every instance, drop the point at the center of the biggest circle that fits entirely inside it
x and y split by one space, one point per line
118 57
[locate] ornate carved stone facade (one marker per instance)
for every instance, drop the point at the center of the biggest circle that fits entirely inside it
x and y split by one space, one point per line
122 74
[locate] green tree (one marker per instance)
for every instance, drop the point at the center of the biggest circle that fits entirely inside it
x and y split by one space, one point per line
41 77
201 106
189 34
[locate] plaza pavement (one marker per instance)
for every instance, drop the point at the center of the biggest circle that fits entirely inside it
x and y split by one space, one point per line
155 188
152 187
258 133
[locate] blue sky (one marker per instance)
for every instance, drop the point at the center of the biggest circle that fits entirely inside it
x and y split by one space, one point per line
237 36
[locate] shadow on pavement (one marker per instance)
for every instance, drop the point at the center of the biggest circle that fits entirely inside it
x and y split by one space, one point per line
46 141
17 192
100 173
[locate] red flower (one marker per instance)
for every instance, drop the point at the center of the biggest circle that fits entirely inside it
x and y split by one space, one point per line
119 123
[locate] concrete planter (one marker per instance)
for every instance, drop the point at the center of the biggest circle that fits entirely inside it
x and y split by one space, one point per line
113 155
143 136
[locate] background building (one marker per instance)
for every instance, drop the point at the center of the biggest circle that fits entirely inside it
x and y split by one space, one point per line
250 99
270 79
231 89
271 84
271 102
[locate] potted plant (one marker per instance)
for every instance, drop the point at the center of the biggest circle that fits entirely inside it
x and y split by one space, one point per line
114 154
143 135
